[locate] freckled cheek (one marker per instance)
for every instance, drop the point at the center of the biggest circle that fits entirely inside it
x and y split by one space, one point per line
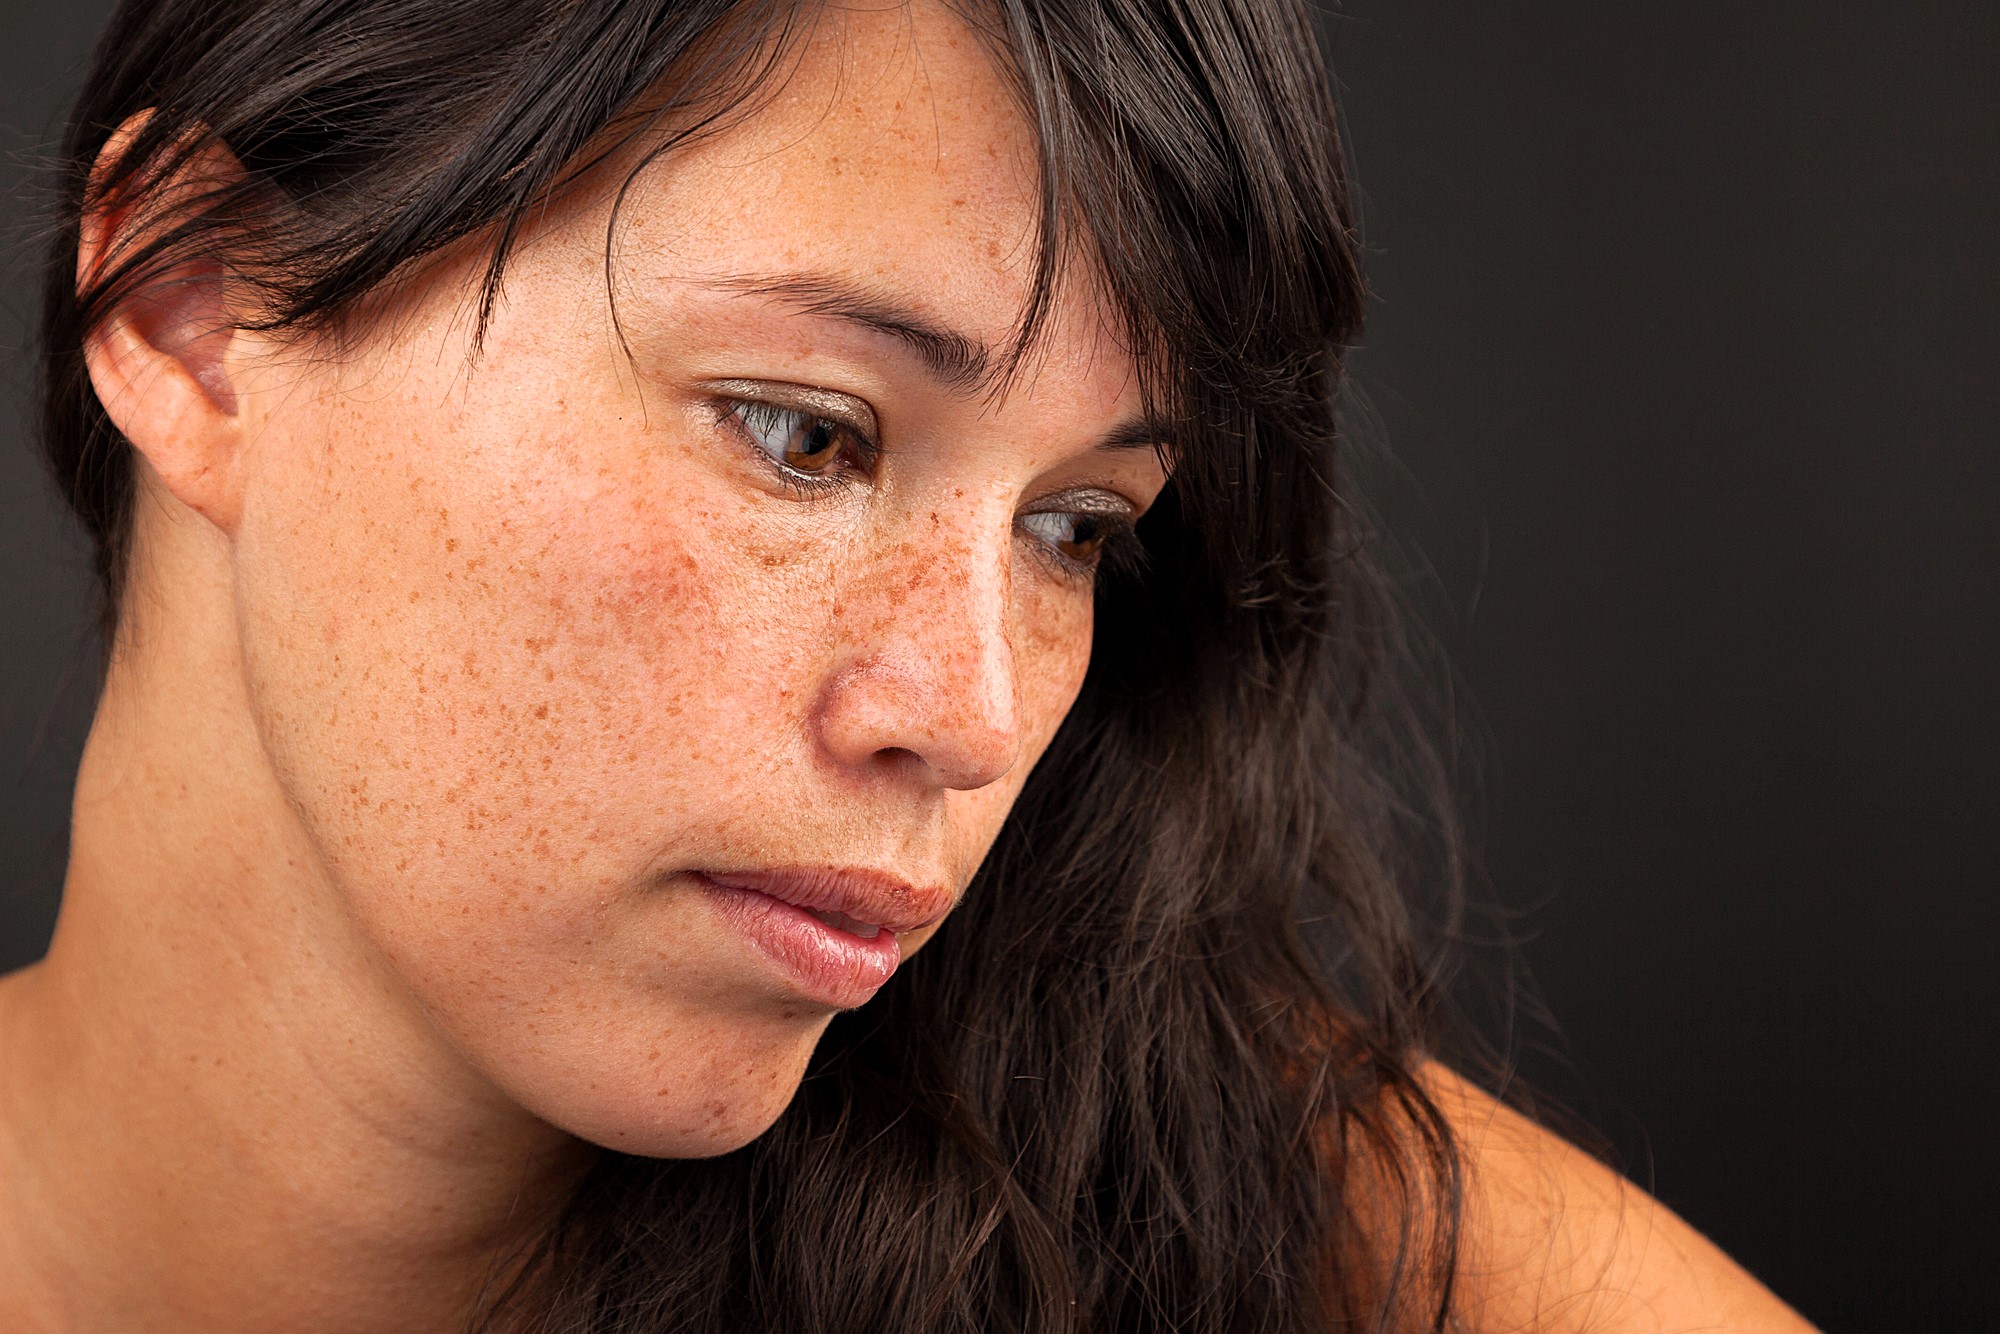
681 643
1052 654
700 605
518 646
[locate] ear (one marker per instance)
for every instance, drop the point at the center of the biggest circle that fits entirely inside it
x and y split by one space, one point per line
162 360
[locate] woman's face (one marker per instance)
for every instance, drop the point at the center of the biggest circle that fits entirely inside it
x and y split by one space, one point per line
625 694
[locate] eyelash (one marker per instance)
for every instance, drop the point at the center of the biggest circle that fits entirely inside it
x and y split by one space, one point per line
730 415
1119 553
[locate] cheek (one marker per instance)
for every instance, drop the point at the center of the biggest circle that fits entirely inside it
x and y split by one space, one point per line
1052 648
497 662
513 671
497 676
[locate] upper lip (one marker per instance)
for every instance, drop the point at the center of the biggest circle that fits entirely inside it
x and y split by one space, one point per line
879 898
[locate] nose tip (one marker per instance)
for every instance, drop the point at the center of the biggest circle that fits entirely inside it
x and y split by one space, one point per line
957 720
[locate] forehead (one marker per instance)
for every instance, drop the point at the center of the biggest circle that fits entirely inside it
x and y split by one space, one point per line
890 154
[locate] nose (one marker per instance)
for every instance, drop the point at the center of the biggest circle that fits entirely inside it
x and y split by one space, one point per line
925 677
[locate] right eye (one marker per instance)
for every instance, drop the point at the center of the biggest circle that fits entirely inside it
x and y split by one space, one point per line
804 443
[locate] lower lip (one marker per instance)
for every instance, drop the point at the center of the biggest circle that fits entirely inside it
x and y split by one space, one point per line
823 963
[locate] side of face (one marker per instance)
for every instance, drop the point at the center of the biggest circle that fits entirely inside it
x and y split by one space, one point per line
536 637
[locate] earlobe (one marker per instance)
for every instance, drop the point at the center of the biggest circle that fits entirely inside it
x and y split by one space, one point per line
161 360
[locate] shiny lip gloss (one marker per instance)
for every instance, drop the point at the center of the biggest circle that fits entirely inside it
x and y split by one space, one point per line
832 933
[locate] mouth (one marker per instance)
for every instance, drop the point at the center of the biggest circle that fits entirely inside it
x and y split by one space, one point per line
833 935
840 921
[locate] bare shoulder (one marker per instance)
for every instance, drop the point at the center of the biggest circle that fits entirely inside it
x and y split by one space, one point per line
1556 1241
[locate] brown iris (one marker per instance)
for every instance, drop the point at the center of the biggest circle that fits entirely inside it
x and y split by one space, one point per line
804 442
1075 535
1087 533
816 443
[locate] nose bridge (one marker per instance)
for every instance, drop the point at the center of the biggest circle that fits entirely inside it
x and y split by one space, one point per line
927 645
962 586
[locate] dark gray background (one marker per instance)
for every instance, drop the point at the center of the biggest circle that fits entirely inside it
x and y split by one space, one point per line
1687 343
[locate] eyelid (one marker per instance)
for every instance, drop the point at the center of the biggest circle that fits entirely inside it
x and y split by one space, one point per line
1093 500
846 409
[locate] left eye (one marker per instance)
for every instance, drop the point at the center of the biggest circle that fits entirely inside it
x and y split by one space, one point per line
802 442
1078 537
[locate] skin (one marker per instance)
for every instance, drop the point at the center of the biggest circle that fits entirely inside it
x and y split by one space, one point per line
439 671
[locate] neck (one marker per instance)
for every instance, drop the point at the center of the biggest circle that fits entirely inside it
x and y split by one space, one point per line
218 1108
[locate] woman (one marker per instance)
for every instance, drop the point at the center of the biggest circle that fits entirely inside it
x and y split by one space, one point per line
618 518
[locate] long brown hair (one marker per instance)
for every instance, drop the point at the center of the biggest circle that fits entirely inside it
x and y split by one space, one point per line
1158 1073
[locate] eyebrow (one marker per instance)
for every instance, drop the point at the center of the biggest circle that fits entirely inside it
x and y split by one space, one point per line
962 362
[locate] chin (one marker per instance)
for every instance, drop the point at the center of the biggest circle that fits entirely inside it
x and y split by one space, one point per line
664 1099
723 1127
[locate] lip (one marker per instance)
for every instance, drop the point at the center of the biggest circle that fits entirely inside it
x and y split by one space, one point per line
775 911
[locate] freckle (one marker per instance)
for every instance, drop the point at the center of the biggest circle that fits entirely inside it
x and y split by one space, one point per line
541 710
548 673
451 544
413 595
